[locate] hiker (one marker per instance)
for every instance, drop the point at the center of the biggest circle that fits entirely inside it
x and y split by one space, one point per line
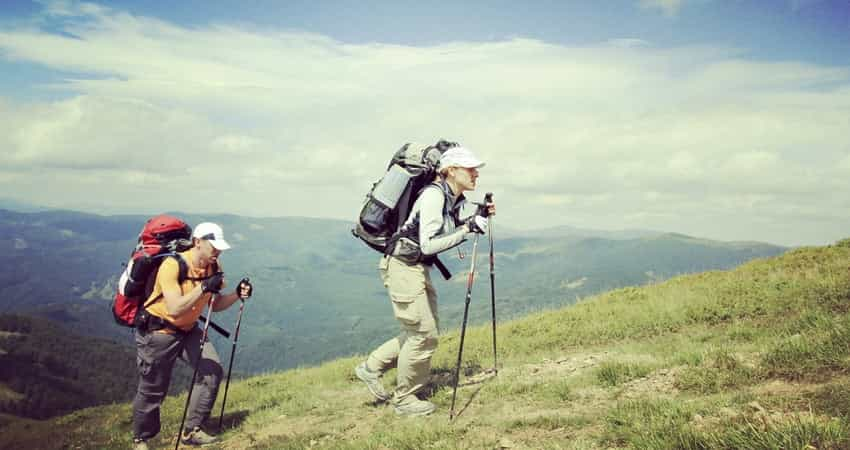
413 298
167 329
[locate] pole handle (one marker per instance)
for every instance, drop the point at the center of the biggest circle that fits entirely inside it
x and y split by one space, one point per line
482 207
247 281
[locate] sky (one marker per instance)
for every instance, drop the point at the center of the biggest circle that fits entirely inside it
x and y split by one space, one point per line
723 119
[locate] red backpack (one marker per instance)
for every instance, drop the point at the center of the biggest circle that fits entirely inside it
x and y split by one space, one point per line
161 237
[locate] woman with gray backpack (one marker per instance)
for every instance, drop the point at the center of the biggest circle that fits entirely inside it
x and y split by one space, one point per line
432 226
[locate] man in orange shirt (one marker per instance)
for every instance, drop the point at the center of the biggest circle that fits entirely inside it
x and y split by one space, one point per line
167 329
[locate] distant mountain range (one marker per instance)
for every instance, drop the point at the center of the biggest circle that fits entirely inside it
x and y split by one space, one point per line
566 231
318 295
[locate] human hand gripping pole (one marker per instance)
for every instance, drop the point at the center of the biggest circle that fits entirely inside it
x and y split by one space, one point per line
480 221
243 291
213 284
477 223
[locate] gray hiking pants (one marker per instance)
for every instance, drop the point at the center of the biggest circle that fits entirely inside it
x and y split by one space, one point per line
414 303
155 356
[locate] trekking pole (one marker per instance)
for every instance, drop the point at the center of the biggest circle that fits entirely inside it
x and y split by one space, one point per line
195 373
469 281
488 198
232 351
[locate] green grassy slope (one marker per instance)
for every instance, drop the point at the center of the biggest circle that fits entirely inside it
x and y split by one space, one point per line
753 358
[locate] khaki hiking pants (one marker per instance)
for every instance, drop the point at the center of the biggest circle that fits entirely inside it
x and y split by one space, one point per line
155 356
414 303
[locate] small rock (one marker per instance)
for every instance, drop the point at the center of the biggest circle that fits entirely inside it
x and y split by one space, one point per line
505 443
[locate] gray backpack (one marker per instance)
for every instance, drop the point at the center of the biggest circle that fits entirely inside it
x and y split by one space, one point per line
389 201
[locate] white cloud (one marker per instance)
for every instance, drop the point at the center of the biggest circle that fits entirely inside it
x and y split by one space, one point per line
844 163
699 139
554 200
234 144
753 163
88 132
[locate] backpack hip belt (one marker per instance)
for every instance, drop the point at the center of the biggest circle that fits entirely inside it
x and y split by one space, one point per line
148 323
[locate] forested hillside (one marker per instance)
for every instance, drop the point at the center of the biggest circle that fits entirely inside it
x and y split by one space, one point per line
46 371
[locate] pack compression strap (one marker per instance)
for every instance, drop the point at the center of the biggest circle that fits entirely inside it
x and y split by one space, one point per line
444 271
442 268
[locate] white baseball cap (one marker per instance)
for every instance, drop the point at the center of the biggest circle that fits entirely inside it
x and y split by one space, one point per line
211 232
460 157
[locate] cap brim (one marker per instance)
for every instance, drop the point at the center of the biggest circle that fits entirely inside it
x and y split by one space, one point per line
219 244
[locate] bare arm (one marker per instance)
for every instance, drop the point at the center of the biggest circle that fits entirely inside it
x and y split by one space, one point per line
224 301
176 303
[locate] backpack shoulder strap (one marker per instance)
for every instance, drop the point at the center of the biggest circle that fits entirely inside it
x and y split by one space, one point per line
405 204
183 274
149 285
435 259
434 184
439 186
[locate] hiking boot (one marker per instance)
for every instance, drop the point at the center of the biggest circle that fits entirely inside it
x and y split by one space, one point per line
197 437
372 380
139 444
414 407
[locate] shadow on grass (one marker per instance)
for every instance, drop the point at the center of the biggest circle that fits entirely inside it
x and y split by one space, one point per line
375 403
231 420
444 378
